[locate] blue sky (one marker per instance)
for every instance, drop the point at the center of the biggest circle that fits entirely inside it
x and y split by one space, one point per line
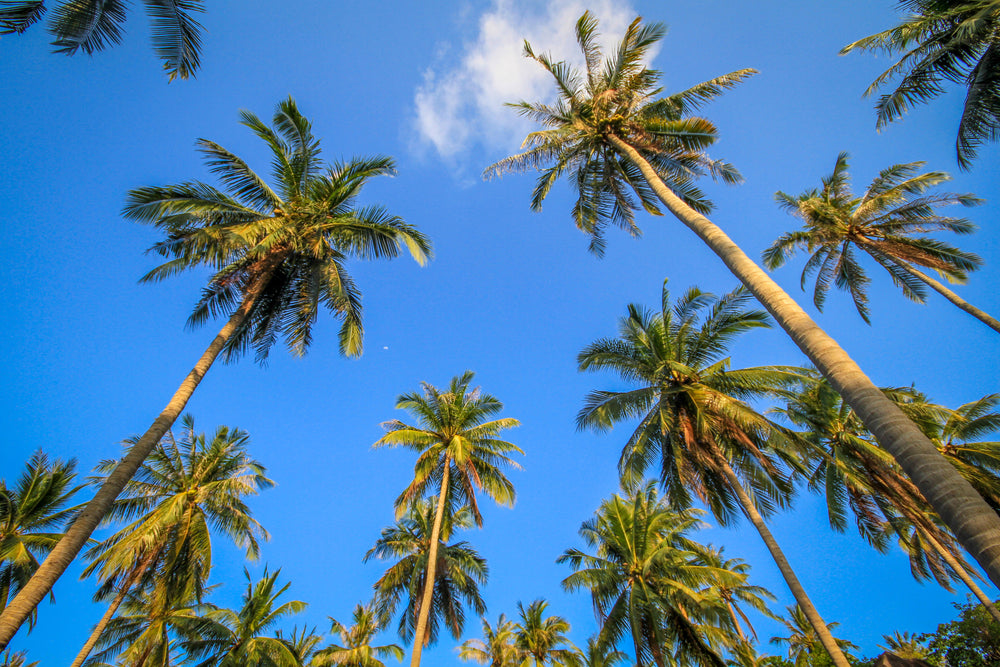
92 356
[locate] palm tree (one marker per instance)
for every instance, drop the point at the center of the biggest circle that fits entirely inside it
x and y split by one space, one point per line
598 655
237 638
496 648
904 645
693 418
612 135
541 639
185 487
92 25
802 640
453 439
648 579
357 650
278 256
29 512
882 223
459 571
956 41
957 433
18 659
859 478
734 590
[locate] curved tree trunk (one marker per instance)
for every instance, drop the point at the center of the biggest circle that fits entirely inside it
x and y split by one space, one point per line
94 512
425 602
973 522
88 646
964 575
798 592
940 288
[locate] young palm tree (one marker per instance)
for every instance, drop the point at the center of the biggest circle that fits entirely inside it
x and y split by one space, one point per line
496 648
734 590
648 579
185 487
278 255
957 434
357 650
956 41
611 134
802 641
694 422
598 655
905 645
453 439
459 571
29 513
883 223
540 640
237 638
92 25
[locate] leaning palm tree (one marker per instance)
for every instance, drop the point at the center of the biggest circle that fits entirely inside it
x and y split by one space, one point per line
648 579
459 571
93 25
496 648
278 255
956 41
357 650
453 439
694 422
614 137
237 638
885 223
541 640
30 512
186 486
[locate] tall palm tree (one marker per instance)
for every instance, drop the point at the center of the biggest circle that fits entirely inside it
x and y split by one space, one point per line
802 640
955 41
459 571
453 439
278 255
648 579
611 133
496 648
694 421
357 650
93 25
884 223
238 638
540 639
30 513
185 487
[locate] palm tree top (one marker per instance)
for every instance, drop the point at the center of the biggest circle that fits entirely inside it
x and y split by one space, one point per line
887 221
286 246
618 97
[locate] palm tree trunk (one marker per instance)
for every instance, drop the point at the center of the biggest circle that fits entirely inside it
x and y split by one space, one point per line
88 646
798 592
939 287
964 575
94 512
432 550
973 522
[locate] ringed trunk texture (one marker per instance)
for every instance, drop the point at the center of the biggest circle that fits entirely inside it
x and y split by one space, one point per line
94 512
428 596
88 646
794 585
966 578
940 288
973 522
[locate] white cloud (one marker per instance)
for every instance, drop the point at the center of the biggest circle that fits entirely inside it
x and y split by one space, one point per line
463 105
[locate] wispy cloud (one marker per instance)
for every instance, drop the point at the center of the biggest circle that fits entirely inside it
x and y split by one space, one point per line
461 102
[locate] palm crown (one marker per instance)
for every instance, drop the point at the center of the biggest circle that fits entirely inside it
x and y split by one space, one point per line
282 248
618 97
886 222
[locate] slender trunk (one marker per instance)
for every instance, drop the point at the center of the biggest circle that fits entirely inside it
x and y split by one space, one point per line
115 604
940 288
973 522
94 512
432 550
798 592
736 621
964 575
